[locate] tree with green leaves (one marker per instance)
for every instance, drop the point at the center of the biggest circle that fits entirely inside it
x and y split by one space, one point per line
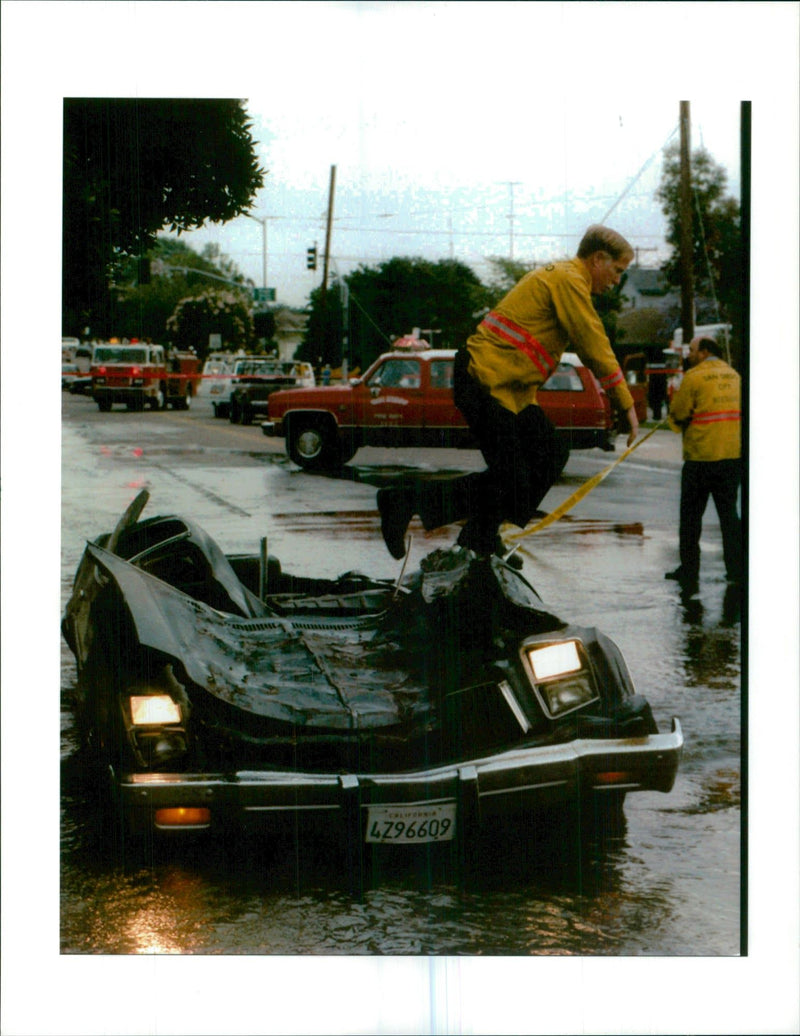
718 257
133 167
176 272
214 311
445 299
505 274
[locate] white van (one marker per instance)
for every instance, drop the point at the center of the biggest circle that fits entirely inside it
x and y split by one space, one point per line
216 365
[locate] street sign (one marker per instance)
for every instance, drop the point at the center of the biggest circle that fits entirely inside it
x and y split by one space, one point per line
263 294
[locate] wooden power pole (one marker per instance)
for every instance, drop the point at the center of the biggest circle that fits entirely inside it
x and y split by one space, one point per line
326 259
687 251
327 256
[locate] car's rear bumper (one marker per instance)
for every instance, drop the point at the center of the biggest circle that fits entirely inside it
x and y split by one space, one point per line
271 428
480 789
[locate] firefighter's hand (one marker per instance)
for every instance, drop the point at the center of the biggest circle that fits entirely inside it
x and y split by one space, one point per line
633 425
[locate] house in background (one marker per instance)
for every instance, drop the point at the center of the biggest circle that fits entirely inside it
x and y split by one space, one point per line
290 327
646 287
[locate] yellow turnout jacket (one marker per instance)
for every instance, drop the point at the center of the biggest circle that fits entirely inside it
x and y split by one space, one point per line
519 343
707 409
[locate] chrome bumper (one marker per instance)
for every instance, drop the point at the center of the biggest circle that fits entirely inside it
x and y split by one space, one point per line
482 788
271 428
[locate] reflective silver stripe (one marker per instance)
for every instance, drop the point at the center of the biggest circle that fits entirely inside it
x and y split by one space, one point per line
709 417
521 339
610 380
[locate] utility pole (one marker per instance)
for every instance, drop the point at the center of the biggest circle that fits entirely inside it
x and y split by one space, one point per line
326 259
687 251
511 185
263 221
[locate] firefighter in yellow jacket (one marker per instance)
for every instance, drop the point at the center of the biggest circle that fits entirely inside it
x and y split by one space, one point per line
511 354
707 410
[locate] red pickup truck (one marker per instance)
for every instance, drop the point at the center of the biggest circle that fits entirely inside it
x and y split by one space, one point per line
406 399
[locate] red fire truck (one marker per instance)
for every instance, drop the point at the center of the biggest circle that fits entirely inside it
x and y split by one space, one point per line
140 374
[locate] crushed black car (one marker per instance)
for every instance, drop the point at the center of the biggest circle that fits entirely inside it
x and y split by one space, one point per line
218 691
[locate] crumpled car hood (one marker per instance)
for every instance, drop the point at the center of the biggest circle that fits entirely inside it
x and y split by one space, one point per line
313 671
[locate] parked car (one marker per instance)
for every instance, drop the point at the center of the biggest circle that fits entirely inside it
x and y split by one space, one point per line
406 399
241 388
69 372
218 692
214 379
256 383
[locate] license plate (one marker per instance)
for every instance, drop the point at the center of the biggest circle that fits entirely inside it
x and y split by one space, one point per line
411 824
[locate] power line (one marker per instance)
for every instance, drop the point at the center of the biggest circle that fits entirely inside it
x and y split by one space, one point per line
633 181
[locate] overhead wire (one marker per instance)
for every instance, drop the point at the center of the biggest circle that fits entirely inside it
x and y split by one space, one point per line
639 174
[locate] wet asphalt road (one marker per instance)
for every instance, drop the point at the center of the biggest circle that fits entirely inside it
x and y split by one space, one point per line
668 886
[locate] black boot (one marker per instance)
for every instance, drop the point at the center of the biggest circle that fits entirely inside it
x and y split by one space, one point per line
687 583
396 509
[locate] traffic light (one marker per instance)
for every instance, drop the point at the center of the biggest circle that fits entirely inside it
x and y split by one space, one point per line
311 258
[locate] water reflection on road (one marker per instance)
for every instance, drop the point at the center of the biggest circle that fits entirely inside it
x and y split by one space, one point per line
668 884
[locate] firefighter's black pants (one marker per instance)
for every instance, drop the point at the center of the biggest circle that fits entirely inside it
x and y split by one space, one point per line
524 457
720 480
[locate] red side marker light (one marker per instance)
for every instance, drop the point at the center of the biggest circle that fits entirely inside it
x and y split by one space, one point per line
614 777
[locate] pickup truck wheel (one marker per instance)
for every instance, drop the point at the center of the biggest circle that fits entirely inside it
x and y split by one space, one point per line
235 416
312 446
247 414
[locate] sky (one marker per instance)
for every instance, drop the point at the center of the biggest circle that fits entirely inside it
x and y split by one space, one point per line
429 111
432 185
435 159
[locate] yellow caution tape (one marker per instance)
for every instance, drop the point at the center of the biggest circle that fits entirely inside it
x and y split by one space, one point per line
582 491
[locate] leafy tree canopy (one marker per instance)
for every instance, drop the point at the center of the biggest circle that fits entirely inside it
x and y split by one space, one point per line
133 167
718 257
444 299
505 274
177 272
225 313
